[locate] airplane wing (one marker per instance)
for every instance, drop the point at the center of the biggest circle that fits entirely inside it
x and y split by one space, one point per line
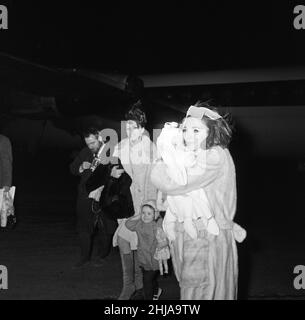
75 92
267 105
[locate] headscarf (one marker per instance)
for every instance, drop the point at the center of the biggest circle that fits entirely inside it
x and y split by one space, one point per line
199 112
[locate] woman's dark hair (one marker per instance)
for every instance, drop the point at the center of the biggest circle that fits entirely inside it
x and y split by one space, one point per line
136 114
220 130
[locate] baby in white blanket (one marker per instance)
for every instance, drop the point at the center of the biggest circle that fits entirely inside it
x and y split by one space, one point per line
180 164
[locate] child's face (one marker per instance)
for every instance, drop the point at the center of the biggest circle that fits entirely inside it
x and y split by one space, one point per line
148 214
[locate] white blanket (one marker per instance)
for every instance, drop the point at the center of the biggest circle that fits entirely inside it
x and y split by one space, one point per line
181 163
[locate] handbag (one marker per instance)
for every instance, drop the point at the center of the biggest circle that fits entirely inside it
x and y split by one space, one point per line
101 220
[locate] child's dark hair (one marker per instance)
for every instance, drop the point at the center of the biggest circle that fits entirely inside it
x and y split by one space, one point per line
137 115
220 130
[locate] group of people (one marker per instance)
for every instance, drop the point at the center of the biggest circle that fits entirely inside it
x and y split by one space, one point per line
175 199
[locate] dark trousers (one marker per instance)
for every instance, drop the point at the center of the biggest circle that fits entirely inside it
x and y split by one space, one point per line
150 283
103 241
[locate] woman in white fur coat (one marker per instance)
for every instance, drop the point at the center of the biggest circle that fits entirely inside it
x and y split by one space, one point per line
208 268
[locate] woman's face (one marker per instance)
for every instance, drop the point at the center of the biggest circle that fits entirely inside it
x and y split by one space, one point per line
195 132
134 132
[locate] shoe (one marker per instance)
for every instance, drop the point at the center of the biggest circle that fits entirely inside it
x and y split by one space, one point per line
81 264
137 295
158 294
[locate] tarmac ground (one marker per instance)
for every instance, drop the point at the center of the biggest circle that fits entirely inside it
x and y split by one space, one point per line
40 252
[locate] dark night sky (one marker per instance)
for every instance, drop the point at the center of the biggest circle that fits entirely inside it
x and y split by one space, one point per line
149 37
137 38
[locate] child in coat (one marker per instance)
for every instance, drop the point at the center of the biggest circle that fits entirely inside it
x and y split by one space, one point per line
153 251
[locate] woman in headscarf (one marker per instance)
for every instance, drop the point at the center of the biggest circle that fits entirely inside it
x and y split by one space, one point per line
206 265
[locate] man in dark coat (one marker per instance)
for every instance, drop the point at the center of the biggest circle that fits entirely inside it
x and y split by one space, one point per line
87 222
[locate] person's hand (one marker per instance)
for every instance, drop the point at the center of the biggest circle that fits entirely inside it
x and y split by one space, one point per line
116 173
136 217
84 166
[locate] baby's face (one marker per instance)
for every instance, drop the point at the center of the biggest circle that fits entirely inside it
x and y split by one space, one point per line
148 214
